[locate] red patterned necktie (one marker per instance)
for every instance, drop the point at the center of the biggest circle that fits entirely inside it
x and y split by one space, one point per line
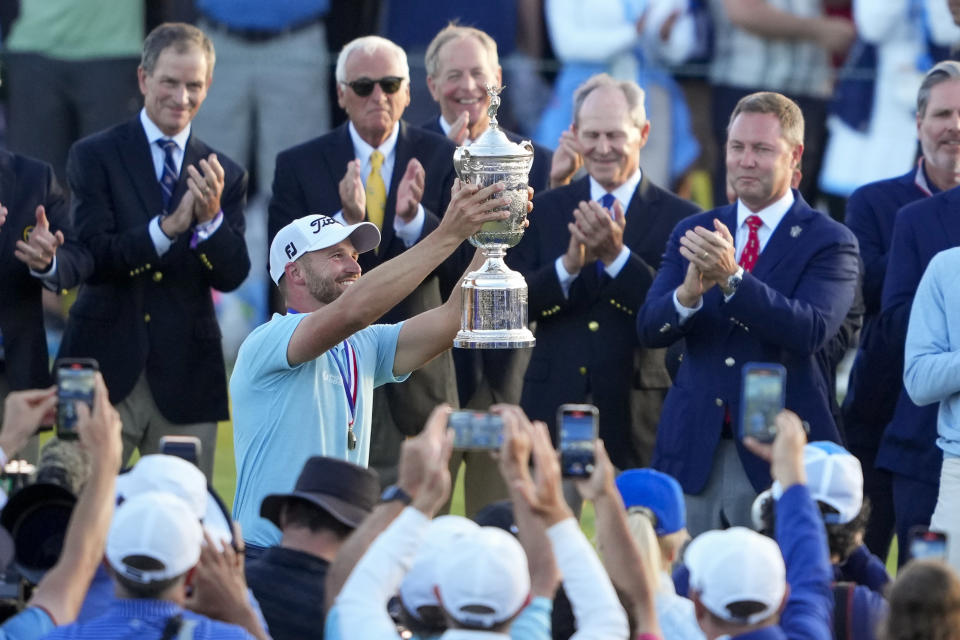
752 249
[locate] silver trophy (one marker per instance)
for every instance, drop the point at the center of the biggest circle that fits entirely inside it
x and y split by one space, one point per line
494 312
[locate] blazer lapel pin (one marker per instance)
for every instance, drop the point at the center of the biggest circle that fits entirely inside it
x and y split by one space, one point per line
795 231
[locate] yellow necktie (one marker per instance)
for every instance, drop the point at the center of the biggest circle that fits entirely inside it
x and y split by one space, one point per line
376 191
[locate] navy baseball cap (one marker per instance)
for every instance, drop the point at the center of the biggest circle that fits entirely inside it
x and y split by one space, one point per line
659 493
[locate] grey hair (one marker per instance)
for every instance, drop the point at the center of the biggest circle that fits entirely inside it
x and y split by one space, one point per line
786 110
452 32
370 45
180 36
940 72
631 91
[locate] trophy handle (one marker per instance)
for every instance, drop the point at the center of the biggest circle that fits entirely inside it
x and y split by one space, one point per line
526 144
460 157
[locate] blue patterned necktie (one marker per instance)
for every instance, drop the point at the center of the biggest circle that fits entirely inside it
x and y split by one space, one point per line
607 203
169 177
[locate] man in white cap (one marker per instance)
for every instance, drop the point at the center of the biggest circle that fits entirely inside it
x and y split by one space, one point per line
153 546
742 583
303 382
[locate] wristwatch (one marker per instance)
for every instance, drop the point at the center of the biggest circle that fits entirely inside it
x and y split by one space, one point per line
394 492
733 283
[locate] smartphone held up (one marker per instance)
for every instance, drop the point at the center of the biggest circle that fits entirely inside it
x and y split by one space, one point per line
762 396
76 381
577 426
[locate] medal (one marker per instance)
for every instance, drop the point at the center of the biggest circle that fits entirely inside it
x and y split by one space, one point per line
348 376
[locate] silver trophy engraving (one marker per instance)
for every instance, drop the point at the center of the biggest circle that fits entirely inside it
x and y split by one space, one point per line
494 313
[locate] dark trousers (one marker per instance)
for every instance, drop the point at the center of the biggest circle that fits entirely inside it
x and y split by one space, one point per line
913 501
878 488
815 136
53 103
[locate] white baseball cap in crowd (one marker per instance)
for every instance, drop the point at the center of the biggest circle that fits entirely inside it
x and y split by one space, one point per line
483 581
170 474
314 232
835 478
733 566
157 526
416 590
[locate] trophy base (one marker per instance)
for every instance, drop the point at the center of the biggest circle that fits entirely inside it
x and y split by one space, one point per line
519 339
494 311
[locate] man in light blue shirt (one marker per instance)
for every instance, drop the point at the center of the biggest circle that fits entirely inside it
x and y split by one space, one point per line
303 382
931 374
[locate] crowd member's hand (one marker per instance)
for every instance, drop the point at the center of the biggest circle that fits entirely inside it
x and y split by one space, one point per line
423 470
785 454
458 130
542 491
182 217
567 159
23 413
206 185
100 430
220 588
470 207
38 250
353 197
601 481
3 215
410 190
597 231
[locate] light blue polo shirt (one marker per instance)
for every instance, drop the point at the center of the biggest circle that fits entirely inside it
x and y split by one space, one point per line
283 415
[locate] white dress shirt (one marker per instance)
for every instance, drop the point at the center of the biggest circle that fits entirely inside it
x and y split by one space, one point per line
406 231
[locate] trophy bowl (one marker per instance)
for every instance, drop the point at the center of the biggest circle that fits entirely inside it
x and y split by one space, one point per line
494 311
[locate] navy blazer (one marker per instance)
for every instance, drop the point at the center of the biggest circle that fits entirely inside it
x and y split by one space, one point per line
307 181
542 157
786 311
139 311
587 343
24 184
871 212
922 230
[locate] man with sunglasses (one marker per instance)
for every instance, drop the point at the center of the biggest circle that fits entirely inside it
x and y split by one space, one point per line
378 168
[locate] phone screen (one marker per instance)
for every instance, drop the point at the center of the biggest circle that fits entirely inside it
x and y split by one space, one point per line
578 432
762 398
75 383
927 544
476 430
186 447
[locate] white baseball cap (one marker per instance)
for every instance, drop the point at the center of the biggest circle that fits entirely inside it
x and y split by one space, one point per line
416 590
170 474
314 232
736 565
154 525
835 478
487 570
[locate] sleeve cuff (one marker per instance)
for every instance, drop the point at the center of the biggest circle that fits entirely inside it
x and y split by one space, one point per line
161 242
206 229
410 232
49 277
564 277
613 269
685 313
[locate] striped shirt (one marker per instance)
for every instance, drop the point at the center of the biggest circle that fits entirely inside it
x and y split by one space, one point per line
146 620
748 61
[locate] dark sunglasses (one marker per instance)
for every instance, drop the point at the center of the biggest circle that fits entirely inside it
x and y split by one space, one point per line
364 86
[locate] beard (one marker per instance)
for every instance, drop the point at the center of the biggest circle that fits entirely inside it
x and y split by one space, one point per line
323 288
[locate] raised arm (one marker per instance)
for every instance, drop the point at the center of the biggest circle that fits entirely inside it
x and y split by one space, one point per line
63 588
382 288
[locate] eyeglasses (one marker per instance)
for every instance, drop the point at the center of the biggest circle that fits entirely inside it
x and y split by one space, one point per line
364 86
